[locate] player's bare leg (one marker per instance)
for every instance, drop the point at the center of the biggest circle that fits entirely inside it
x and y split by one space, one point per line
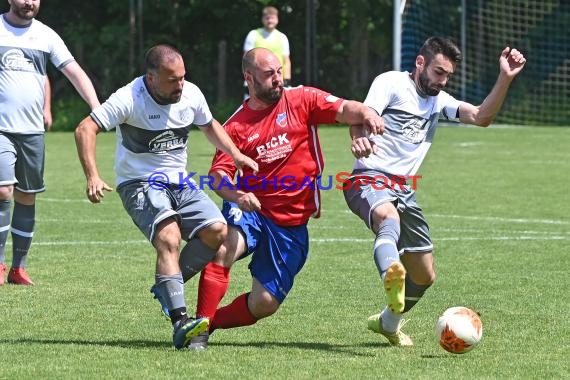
261 303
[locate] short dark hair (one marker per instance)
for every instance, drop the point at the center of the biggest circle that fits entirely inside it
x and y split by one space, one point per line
440 45
158 54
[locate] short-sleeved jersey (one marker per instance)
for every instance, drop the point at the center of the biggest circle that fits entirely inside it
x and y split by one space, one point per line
24 52
151 138
283 140
275 41
410 121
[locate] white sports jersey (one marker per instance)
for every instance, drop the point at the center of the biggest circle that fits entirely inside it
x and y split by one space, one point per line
24 52
410 122
151 138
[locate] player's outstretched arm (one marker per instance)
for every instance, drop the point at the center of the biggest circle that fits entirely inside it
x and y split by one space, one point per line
85 139
217 135
82 83
356 113
363 121
511 62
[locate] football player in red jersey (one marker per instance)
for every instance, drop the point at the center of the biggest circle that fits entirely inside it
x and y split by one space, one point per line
267 212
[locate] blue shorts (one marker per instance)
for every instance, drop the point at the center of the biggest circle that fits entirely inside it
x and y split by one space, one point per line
278 252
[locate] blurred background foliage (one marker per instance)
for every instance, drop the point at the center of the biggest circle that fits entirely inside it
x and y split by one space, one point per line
352 44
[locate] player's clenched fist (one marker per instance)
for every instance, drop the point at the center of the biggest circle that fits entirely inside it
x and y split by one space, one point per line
511 61
248 202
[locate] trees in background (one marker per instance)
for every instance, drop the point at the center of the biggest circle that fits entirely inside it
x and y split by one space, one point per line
108 38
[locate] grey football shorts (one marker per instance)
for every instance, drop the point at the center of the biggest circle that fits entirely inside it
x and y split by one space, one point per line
368 189
148 206
22 160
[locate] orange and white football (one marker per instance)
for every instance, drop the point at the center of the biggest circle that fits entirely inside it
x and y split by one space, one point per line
458 330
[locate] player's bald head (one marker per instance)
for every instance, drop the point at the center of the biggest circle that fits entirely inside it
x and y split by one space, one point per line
262 72
255 57
161 55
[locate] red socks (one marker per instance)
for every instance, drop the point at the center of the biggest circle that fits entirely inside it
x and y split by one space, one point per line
236 314
212 287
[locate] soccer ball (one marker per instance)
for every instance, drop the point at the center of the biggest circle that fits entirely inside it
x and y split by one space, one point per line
458 330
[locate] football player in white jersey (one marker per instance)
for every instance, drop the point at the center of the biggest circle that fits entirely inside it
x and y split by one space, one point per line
26 45
152 116
411 105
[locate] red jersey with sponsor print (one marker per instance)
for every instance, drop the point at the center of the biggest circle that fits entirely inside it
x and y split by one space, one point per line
283 140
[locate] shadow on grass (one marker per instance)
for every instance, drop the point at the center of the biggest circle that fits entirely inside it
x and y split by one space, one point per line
352 349
144 344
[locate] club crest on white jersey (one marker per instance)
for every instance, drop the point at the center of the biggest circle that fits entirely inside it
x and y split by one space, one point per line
415 130
14 59
166 141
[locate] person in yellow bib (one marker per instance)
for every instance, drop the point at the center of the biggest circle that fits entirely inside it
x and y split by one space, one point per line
270 38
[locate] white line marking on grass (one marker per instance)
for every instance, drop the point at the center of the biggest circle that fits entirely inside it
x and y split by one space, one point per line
449 238
314 240
340 240
543 162
507 126
326 227
469 144
86 242
490 218
521 232
63 200
553 237
499 219
85 221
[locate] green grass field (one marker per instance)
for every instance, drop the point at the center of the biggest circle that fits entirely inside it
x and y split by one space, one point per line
497 204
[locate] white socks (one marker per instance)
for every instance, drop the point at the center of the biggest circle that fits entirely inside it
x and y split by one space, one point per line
390 321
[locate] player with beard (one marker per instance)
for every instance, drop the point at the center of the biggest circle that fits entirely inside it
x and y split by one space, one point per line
268 212
26 45
153 115
411 105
